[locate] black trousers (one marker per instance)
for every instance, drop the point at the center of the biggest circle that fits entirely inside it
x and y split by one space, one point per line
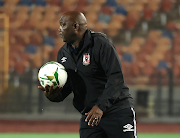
120 124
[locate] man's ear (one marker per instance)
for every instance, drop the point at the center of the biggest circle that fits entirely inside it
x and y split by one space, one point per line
76 26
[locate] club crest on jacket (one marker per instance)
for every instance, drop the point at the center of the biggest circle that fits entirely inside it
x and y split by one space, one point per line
86 59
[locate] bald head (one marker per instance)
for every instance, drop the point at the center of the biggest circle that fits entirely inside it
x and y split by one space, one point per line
73 25
76 16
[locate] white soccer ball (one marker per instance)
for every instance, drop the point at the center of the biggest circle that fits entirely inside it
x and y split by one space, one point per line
52 73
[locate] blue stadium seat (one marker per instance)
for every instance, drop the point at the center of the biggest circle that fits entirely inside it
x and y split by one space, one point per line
121 10
49 40
162 65
31 49
127 57
25 2
111 3
1 2
167 33
104 18
40 2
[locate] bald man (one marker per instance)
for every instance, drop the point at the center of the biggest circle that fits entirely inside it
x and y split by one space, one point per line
95 77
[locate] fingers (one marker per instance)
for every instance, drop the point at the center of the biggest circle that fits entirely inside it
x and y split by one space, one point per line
51 88
41 88
92 120
88 116
97 122
47 88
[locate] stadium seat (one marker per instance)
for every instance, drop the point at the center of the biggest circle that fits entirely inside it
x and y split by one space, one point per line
25 35
15 25
168 56
48 40
32 49
97 2
126 3
1 2
47 52
148 69
111 3
125 68
35 19
36 38
162 64
96 8
81 2
176 70
167 33
119 50
37 58
147 13
53 32
91 19
107 10
166 5
113 28
38 9
134 69
58 42
11 2
52 9
19 67
54 25
118 17
104 18
81 8
66 9
130 22
22 17
55 50
99 27
154 4
54 2
9 10
121 10
154 35
40 2
171 26
27 25
127 57
25 2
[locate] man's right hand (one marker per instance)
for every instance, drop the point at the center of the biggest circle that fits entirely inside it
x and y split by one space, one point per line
50 92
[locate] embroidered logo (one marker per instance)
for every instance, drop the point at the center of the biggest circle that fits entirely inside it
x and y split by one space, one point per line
63 59
128 127
86 59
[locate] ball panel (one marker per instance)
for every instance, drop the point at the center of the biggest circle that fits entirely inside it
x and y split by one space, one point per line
52 73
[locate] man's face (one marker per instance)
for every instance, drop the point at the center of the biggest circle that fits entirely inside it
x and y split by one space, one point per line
66 29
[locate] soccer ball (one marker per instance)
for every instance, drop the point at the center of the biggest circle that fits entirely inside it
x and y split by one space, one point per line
52 73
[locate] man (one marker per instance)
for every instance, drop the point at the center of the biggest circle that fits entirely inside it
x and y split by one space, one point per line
96 79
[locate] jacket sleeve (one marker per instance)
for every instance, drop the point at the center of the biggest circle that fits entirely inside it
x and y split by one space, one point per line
66 88
111 65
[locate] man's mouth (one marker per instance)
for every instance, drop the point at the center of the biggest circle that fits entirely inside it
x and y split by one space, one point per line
60 34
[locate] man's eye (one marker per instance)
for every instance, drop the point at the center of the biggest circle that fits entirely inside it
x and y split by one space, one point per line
63 24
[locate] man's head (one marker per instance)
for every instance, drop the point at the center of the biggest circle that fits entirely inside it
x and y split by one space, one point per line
73 24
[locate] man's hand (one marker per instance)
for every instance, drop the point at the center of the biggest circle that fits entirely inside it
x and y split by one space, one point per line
50 92
94 116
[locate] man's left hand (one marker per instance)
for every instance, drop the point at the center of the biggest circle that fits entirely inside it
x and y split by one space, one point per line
94 116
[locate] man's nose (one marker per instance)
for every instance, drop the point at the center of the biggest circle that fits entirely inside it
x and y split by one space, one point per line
59 29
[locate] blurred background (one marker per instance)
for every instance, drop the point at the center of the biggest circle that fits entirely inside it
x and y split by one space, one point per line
146 34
